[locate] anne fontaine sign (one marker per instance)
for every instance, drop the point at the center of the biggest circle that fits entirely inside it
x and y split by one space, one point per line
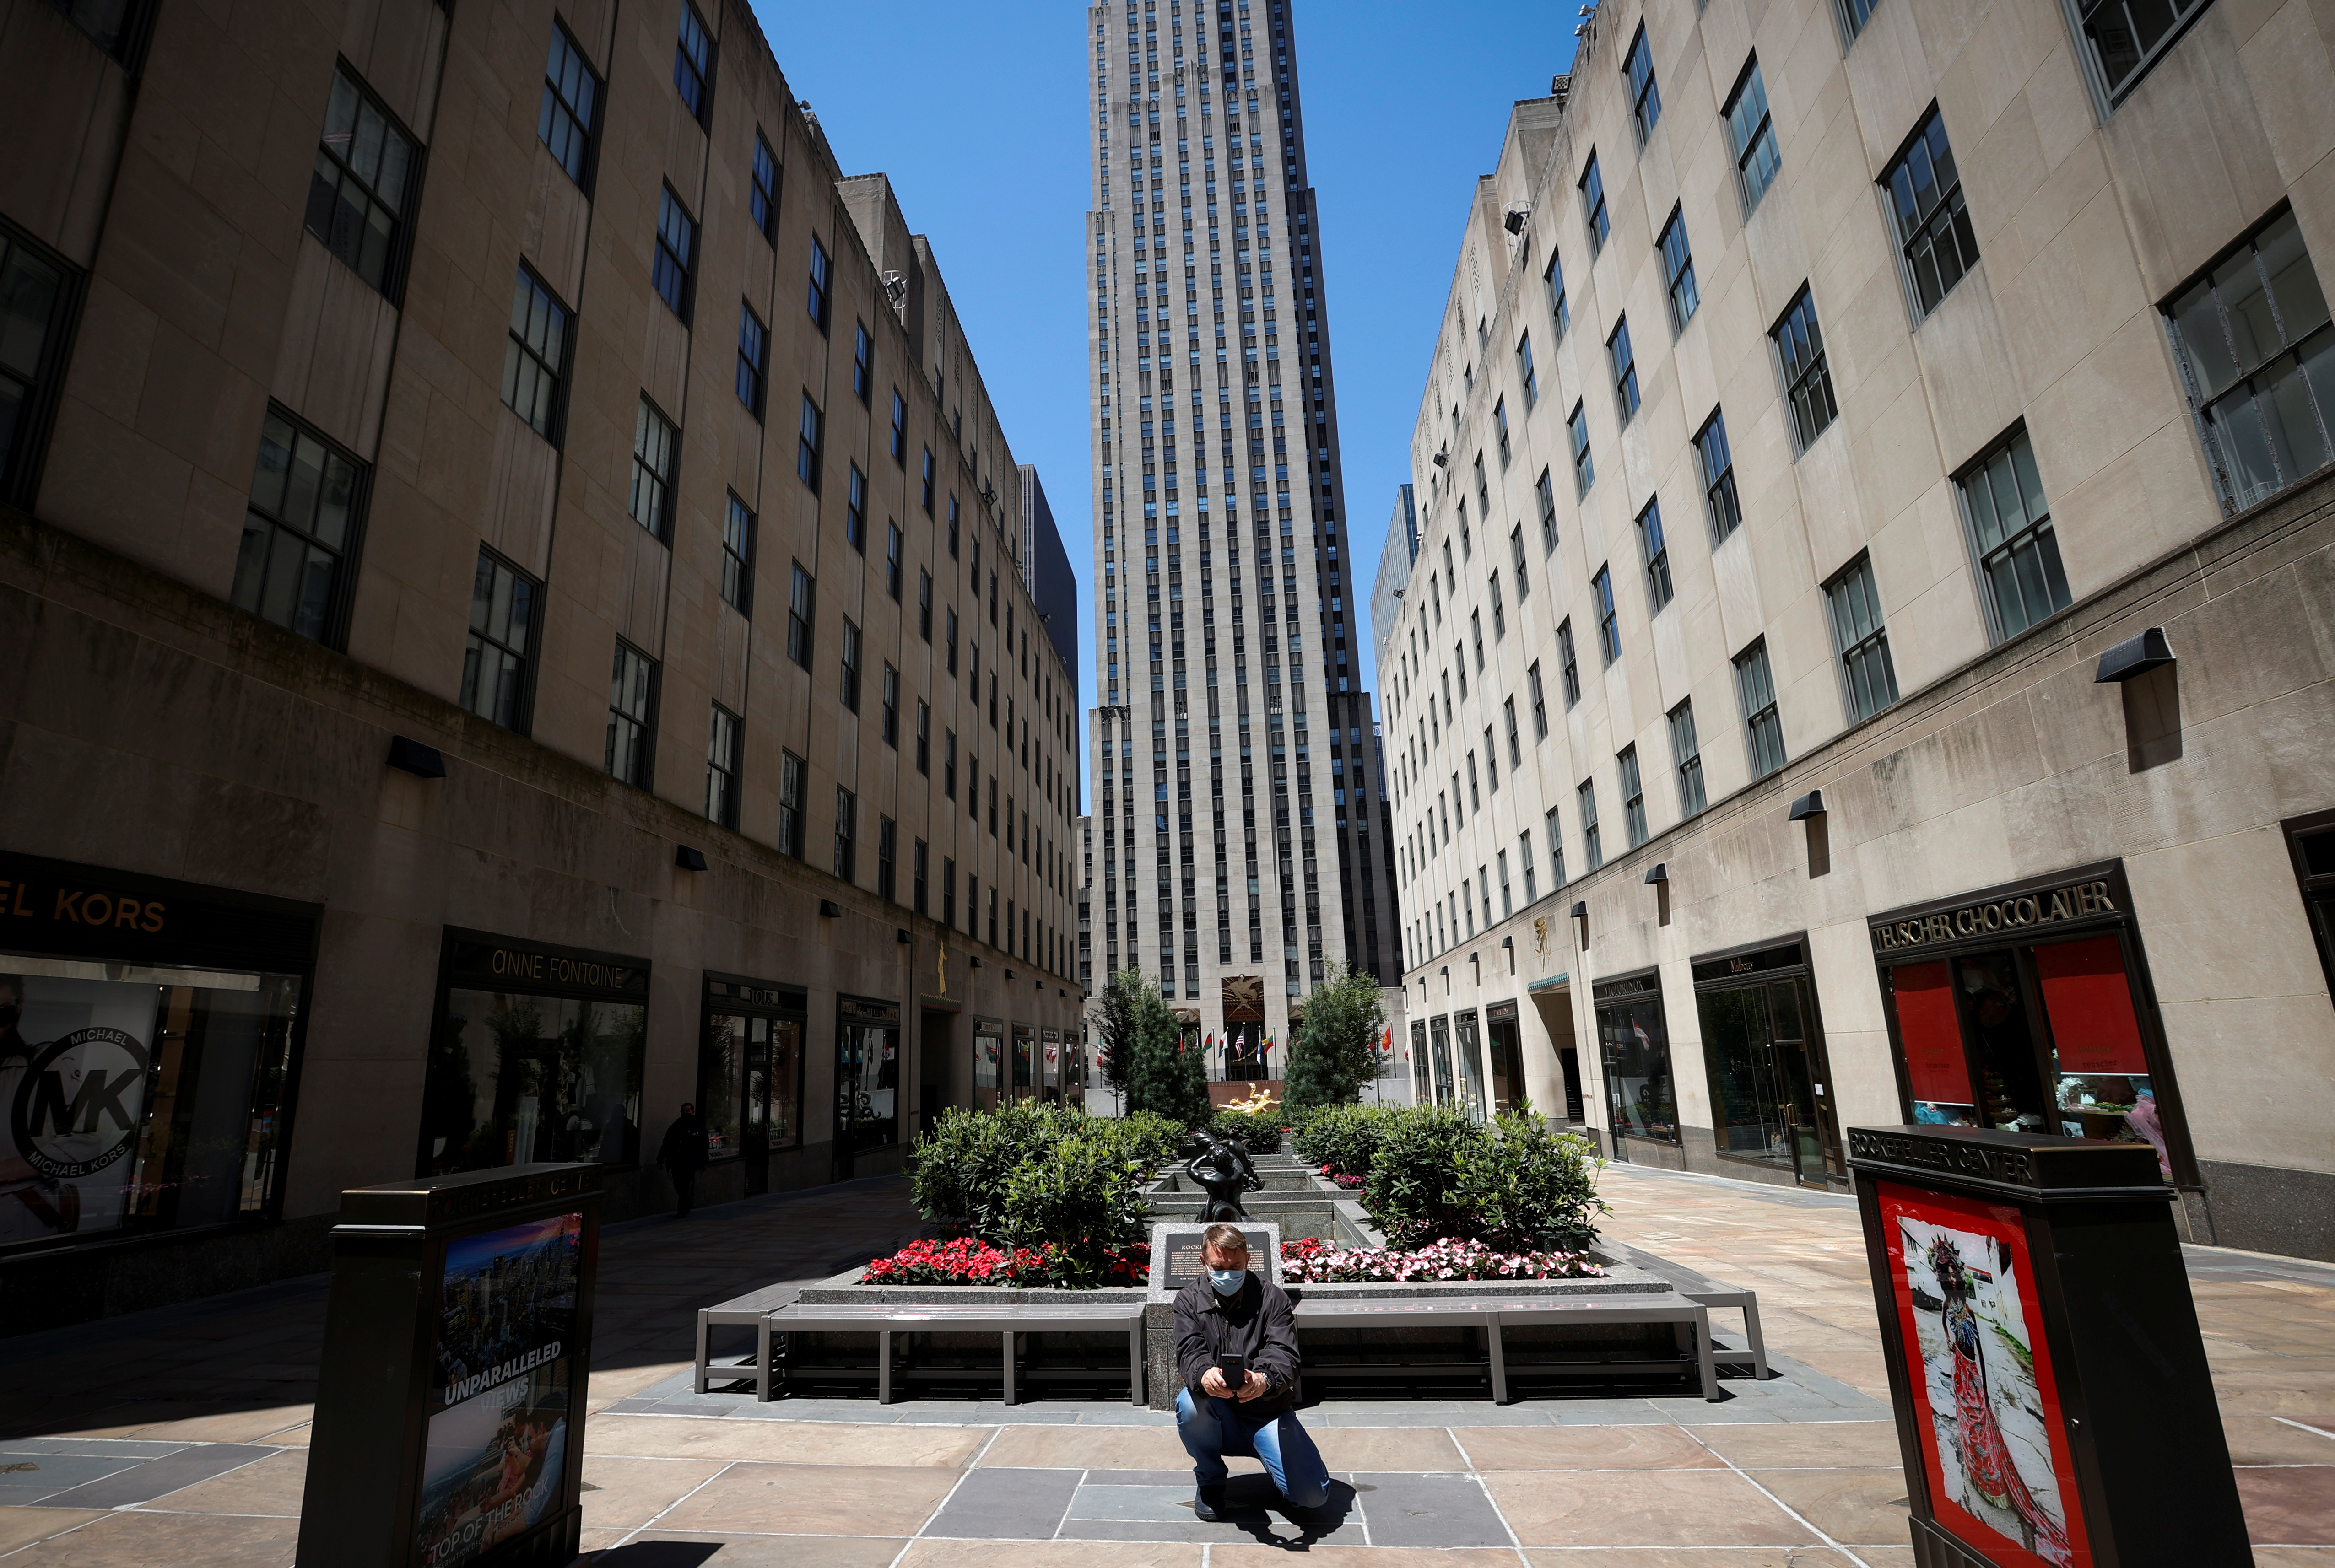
2085 900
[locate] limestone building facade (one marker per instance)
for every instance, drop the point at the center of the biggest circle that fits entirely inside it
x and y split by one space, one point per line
511 594
1866 658
1240 850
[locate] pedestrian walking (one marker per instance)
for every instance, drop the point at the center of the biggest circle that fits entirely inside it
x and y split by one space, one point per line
1236 1348
682 1155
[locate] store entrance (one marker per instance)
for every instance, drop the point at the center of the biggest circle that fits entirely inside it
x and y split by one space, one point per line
1766 1057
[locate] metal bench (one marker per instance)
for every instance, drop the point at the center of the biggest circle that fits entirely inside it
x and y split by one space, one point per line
753 1311
1492 1313
1696 1286
883 1320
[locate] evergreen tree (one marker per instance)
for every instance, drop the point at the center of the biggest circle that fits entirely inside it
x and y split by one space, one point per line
1115 1029
1159 1080
1335 1051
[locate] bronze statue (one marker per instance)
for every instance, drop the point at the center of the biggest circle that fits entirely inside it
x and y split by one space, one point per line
1224 1172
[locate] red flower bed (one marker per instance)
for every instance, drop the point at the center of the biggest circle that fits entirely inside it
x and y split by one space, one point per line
969 1261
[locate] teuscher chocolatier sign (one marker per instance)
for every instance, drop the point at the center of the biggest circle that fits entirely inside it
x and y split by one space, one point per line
2077 901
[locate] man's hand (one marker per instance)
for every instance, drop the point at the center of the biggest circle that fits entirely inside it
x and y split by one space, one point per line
1254 1386
1211 1382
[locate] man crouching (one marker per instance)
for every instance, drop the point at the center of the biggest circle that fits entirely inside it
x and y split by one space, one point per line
1233 1320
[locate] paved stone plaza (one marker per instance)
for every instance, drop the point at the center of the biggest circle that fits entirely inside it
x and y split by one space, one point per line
179 1437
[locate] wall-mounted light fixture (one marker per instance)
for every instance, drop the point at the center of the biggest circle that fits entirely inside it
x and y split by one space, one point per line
1658 877
2148 679
828 909
413 757
900 934
688 860
1810 808
1581 923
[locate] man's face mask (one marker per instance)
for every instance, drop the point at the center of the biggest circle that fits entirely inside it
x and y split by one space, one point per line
1227 1282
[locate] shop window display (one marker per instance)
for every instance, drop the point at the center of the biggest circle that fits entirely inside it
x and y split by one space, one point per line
1438 1032
988 1062
516 1078
138 1097
1764 1051
750 1087
867 1075
1471 1066
1633 1043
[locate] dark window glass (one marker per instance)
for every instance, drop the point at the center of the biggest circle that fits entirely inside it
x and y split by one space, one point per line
33 297
631 688
721 768
1808 383
502 631
809 444
819 299
1633 796
1592 849
900 433
1868 679
1752 139
1592 205
676 247
1655 551
1624 366
1530 377
794 782
1686 752
693 61
2258 362
1720 504
1855 13
738 557
357 192
801 593
854 510
536 356
2127 36
1755 688
848 689
1678 270
2010 529
893 567
763 201
1645 97
1544 496
1554 280
1933 226
1572 665
297 530
655 444
863 363
890 698
112 24
1577 429
754 345
1609 626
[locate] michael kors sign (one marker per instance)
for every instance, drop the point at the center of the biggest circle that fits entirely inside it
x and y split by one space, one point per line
2077 901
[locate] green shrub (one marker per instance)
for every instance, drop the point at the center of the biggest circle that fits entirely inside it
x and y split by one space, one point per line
1261 1128
1528 1187
1345 1138
1083 1195
1146 1138
1408 1188
959 1174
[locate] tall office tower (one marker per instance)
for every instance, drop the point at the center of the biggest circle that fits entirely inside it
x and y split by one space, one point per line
1234 747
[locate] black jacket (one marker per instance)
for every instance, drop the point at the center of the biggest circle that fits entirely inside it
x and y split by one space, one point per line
684 1149
1254 1322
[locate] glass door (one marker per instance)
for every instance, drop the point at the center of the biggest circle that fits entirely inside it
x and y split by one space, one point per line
1438 1030
1471 1067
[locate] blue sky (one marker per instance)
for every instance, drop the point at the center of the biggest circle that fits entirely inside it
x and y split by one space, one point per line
982 117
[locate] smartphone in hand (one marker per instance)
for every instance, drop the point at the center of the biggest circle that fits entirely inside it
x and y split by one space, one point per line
1233 1369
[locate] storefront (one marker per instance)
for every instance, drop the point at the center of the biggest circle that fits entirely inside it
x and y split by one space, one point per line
1633 1048
1025 1044
1469 1047
750 1076
988 1062
1423 1089
149 1041
1050 1046
2028 1008
1505 1043
1763 1046
535 1055
866 1079
1438 1035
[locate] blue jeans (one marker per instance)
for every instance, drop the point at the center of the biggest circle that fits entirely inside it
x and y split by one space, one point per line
1212 1429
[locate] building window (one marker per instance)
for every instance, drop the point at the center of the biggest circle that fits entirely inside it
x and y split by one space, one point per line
1584 474
692 62
1633 796
721 768
801 595
1609 624
863 363
1525 860
1656 553
1933 226
753 344
948 764
1531 380
2126 37
1572 666
654 444
891 697
2011 532
738 558
1751 138
502 631
763 200
793 783
1763 726
1868 682
1720 505
1539 700
1556 844
887 850
848 691
570 94
35 296
1808 383
2253 339
113 25
818 296
920 868
1500 429
893 565
1645 97
923 605
1593 207
926 487
632 688
1624 365
855 510
536 356
1855 13
300 528
811 438
1686 751
1544 494
923 738
676 243
1677 271
357 192
900 433
950 641
1516 750
1593 851
1554 278
1517 557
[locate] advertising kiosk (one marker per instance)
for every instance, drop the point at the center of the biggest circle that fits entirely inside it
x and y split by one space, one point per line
450 1405
2053 1402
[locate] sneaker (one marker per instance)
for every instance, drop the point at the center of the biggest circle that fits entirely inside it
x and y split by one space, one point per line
1206 1502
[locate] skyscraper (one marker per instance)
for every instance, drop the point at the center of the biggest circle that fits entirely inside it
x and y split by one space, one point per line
1235 749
